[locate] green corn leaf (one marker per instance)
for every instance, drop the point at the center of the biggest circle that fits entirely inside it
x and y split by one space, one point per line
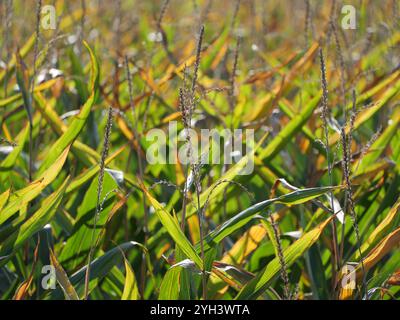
79 121
239 220
173 228
34 223
22 197
263 279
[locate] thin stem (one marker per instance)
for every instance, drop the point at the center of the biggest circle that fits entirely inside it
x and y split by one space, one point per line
104 155
325 114
140 165
284 274
32 87
201 227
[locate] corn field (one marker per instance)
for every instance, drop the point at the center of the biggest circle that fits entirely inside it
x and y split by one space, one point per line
96 202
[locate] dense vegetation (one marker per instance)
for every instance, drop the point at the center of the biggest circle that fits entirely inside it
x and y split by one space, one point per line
76 189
